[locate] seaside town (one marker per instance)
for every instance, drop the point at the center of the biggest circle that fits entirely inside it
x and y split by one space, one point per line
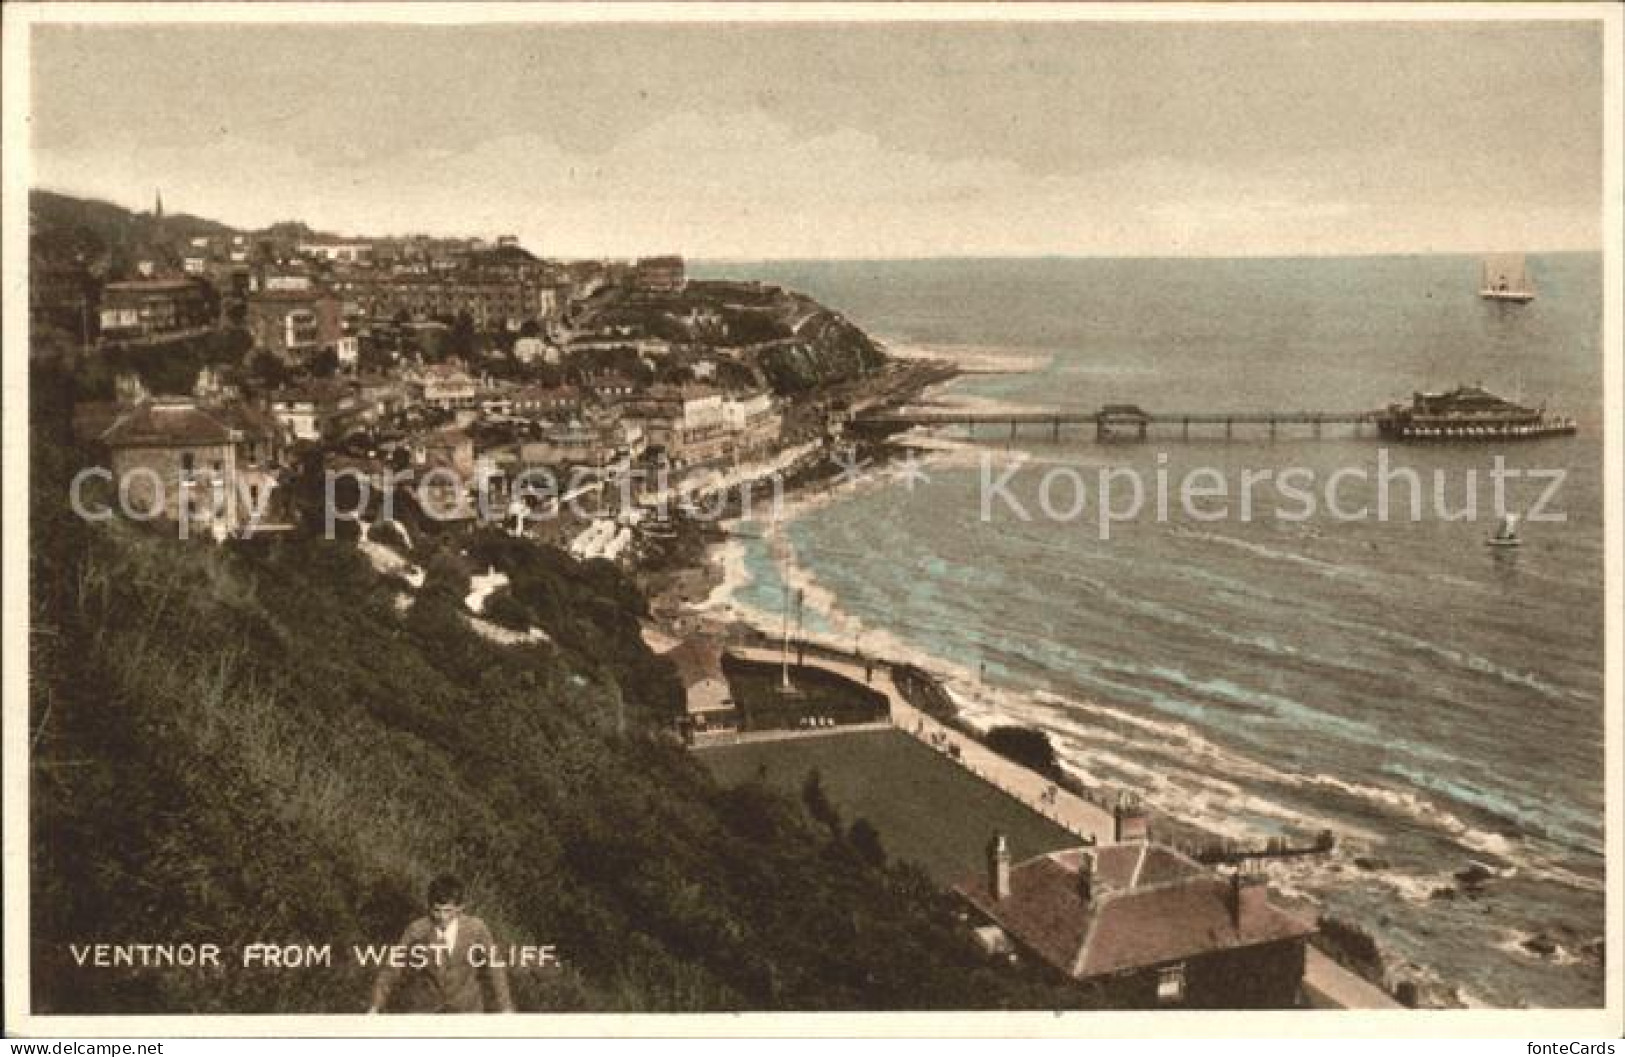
1060 522
467 355
252 372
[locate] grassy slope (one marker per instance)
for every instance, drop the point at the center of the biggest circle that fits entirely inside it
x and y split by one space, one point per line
928 810
250 743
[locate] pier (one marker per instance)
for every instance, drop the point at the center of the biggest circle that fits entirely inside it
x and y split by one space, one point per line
1123 421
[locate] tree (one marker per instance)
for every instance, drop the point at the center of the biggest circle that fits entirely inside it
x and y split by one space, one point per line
268 369
324 364
461 340
865 840
818 805
374 358
1026 746
229 345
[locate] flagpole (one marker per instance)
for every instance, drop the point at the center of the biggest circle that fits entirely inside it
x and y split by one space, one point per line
786 644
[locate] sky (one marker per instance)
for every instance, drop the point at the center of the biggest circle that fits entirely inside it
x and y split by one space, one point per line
750 140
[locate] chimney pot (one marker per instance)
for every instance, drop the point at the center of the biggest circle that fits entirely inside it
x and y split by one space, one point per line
1249 894
998 856
1129 821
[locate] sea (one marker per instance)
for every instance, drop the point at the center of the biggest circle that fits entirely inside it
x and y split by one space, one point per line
1433 701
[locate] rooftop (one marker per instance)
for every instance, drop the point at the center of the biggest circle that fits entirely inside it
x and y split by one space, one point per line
1148 905
175 422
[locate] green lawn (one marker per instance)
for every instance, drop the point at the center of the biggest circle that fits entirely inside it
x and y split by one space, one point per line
928 809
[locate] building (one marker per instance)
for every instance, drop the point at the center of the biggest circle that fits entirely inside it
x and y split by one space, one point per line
687 423
288 323
338 252
754 420
151 308
600 445
659 275
542 401
281 279
608 386
315 412
443 385
204 467
450 449
494 298
377 396
1146 925
529 350
710 705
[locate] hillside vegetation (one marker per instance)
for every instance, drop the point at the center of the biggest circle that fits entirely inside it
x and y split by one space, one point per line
254 742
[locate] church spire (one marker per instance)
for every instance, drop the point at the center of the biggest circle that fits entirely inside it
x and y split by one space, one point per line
158 205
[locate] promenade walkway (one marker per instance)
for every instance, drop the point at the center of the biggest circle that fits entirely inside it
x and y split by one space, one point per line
1330 986
724 738
1089 821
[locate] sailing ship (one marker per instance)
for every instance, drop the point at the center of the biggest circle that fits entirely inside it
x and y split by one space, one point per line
1506 279
1507 534
1470 413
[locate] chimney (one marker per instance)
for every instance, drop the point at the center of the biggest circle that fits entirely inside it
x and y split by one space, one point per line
1129 821
128 388
1249 894
998 867
1086 877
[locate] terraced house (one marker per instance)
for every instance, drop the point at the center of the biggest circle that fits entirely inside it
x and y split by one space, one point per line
154 308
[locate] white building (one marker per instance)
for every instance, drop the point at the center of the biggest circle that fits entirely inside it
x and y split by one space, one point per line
338 252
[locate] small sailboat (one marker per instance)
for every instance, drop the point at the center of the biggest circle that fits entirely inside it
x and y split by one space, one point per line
1506 279
1507 534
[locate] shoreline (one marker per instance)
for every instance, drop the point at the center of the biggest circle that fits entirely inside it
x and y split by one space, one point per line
713 610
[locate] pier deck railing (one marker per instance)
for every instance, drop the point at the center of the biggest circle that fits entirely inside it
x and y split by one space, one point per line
1117 423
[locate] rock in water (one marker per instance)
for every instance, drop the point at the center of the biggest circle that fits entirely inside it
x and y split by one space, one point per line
1541 944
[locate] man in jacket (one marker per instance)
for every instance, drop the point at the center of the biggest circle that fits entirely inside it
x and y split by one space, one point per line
442 977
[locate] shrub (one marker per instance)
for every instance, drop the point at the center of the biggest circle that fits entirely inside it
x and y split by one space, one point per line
1029 747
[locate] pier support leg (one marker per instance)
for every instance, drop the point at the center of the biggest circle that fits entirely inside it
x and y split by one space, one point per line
1012 429
1143 427
1185 429
1317 429
1272 429
1229 429
1055 431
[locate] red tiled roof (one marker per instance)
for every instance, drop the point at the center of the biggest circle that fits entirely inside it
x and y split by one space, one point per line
161 423
1175 921
91 418
1042 911
1149 906
697 659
